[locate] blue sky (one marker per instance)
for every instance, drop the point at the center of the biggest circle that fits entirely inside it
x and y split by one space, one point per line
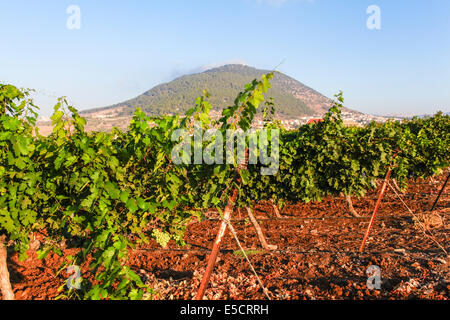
126 47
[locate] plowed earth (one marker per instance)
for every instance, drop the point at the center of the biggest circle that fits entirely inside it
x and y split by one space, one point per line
317 255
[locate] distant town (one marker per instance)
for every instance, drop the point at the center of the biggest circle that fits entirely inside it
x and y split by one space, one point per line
349 118
102 121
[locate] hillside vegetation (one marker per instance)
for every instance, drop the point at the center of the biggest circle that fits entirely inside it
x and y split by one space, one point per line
293 98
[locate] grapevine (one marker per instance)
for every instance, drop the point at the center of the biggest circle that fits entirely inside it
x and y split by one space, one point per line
107 193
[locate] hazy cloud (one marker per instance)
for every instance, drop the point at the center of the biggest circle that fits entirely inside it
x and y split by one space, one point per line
219 64
180 71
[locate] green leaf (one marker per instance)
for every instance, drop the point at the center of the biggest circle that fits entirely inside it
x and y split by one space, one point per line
112 190
142 204
124 196
131 205
245 175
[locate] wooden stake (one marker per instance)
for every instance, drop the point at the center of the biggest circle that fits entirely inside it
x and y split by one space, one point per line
352 210
5 284
259 232
216 247
383 189
277 212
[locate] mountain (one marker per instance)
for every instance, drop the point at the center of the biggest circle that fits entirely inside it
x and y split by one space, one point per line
291 97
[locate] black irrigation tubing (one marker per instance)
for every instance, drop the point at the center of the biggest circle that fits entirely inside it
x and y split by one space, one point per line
299 251
423 193
388 196
412 194
356 252
431 182
287 218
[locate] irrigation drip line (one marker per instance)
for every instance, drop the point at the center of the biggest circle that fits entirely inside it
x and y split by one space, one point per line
287 218
428 183
299 251
337 252
421 193
389 198
410 194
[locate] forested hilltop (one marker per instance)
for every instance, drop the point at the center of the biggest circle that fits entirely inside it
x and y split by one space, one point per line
293 99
